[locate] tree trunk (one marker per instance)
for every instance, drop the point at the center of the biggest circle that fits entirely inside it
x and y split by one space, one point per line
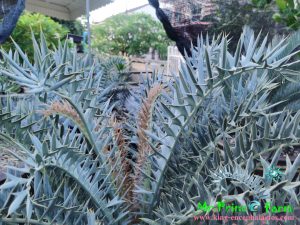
183 40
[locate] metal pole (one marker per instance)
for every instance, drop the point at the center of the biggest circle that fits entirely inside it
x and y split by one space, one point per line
88 27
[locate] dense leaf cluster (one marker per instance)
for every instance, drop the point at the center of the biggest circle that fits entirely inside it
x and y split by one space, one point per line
288 11
211 133
132 34
35 22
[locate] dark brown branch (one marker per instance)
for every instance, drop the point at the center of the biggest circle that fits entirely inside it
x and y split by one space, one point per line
183 41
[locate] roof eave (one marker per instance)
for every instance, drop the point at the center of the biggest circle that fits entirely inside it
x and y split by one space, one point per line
62 11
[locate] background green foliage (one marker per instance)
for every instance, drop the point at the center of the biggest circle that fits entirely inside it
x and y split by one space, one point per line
288 11
232 16
52 30
131 34
74 26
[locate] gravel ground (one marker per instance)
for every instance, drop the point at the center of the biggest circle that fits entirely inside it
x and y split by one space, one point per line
6 159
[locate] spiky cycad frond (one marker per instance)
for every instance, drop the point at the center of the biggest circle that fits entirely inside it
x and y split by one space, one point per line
219 113
61 138
213 135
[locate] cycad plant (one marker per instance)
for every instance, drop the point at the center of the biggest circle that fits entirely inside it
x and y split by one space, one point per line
60 132
220 118
212 134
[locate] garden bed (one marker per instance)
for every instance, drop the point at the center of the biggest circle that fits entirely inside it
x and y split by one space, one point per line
6 159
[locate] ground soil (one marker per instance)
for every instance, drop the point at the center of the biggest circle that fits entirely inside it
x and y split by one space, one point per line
6 159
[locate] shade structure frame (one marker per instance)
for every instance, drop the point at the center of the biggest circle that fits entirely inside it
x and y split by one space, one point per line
64 9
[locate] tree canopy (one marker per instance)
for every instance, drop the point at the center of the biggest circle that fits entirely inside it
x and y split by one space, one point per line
35 23
197 17
132 34
288 11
